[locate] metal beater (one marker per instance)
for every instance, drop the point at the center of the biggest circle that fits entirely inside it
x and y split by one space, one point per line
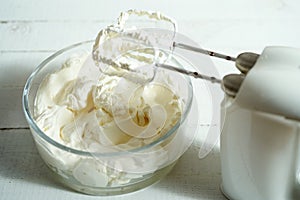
231 82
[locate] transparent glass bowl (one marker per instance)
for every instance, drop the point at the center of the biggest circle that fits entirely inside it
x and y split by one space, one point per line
63 160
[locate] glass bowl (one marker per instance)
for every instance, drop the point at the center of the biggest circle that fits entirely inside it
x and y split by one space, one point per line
113 172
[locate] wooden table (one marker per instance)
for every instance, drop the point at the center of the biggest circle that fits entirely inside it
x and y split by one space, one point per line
31 30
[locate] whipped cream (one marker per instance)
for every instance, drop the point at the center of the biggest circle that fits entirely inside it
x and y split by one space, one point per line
109 114
83 108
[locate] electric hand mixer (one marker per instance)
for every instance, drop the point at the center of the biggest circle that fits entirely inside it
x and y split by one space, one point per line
260 118
260 145
260 124
261 114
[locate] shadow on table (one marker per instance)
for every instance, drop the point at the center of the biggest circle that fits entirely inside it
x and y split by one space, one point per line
20 161
15 69
194 178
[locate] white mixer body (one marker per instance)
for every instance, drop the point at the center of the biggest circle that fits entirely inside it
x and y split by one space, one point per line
260 139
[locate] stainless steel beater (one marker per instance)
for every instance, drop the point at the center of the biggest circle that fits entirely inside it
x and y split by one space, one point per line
230 83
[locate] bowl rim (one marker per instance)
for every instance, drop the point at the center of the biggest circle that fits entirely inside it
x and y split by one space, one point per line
32 124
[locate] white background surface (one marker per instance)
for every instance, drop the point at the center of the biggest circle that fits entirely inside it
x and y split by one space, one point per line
30 30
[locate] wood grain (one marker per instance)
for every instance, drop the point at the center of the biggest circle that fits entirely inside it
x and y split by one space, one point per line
189 10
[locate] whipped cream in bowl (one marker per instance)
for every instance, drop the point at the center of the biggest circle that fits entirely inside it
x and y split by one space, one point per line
98 129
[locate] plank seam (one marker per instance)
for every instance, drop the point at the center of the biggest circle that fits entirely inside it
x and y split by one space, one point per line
14 128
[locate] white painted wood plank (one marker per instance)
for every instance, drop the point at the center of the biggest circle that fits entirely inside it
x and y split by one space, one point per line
23 175
26 36
238 35
15 69
213 34
107 10
11 113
